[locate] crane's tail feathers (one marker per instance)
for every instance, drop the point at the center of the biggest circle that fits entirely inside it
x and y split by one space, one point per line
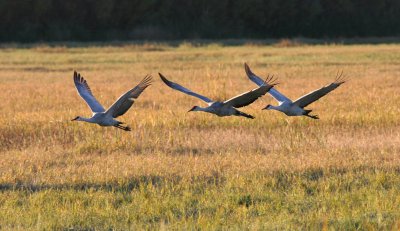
125 128
245 115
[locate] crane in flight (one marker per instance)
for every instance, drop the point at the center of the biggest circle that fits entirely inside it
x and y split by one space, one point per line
107 117
295 108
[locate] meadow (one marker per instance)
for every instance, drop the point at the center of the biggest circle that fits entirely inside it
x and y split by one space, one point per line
178 170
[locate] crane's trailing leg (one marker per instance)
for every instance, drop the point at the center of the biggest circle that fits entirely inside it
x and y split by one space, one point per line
239 113
307 113
313 117
123 127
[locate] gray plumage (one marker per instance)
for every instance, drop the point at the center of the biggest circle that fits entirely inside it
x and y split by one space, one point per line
183 89
126 100
85 92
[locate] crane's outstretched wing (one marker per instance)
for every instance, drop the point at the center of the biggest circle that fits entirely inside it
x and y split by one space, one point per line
250 96
315 95
257 80
184 90
86 94
125 101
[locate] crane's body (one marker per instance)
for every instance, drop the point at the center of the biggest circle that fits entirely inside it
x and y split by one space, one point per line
220 109
288 108
100 118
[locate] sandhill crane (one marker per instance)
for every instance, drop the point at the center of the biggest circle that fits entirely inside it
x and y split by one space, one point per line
228 107
295 108
100 115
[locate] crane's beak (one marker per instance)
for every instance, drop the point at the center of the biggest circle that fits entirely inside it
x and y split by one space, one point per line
75 118
192 109
267 107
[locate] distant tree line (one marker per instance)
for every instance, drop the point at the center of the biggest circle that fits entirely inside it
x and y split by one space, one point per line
84 20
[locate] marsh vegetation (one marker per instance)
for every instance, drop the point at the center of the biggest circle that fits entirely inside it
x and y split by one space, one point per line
179 170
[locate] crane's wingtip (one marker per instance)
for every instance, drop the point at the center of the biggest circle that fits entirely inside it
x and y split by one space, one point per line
340 78
248 70
165 80
77 76
271 80
246 67
147 80
148 77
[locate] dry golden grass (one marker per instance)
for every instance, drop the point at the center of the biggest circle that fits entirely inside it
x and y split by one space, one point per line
42 151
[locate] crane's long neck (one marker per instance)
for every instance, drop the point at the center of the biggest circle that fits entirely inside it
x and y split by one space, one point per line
89 120
201 109
272 107
197 108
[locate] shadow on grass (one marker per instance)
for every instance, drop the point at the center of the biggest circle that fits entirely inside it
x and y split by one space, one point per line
358 177
129 185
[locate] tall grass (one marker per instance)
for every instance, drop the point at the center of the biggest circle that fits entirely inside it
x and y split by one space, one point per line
179 170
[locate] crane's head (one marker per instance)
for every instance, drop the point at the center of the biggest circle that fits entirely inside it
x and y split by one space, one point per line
268 107
194 108
76 118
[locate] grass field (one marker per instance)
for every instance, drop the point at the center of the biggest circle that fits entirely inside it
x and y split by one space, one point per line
179 170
